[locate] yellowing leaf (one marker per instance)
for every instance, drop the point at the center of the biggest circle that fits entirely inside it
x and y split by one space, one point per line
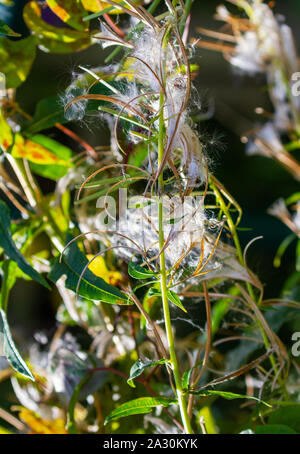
99 268
39 425
16 59
69 11
6 135
25 148
98 5
50 38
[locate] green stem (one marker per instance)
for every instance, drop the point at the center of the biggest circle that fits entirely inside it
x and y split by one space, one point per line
163 281
55 234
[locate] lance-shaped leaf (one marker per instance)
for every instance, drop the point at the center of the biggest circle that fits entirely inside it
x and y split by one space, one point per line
172 296
139 406
41 150
69 11
9 350
92 287
47 157
7 243
99 5
138 368
16 58
227 395
139 272
6 30
50 38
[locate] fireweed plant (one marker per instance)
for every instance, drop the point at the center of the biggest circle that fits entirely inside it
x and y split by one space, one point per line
151 243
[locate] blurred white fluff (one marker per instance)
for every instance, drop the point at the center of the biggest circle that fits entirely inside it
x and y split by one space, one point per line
266 45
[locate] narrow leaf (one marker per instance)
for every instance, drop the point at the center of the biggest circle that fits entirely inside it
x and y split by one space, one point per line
139 406
138 368
91 286
7 243
9 349
139 272
227 395
174 298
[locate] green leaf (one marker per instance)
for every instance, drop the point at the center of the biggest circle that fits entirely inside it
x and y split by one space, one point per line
280 429
91 286
69 11
294 197
139 406
50 38
174 298
227 395
289 416
16 59
138 368
282 248
11 272
6 30
186 377
48 112
7 243
139 272
9 349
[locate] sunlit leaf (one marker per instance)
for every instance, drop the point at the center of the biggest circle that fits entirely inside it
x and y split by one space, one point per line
98 5
40 150
7 243
139 272
206 414
6 134
6 30
41 426
138 368
69 11
139 406
91 286
50 38
16 58
9 350
172 296
99 268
